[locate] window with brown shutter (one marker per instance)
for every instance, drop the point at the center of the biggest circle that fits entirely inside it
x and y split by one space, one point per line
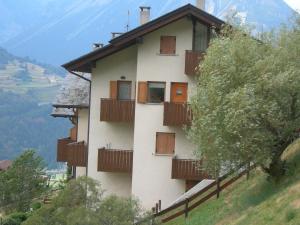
142 92
168 45
165 143
113 92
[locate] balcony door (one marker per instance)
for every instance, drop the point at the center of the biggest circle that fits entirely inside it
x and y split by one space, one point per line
124 90
179 92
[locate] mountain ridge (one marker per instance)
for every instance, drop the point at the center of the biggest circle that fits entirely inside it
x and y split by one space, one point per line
63 30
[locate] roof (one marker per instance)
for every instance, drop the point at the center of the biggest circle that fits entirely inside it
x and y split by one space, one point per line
86 62
5 164
73 94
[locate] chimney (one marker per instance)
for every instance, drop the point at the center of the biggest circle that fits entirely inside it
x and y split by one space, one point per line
201 4
145 14
115 34
97 46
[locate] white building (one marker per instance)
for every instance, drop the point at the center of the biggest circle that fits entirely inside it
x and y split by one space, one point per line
141 84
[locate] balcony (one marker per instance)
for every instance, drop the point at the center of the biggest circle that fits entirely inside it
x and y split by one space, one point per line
62 149
192 61
113 110
187 169
77 154
115 160
177 114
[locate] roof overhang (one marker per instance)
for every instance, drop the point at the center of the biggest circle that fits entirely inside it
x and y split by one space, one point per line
70 106
87 62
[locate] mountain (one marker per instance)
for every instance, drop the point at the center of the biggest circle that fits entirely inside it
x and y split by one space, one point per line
27 89
55 31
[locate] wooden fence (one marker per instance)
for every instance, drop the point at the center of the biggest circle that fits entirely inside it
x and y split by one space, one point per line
177 114
190 203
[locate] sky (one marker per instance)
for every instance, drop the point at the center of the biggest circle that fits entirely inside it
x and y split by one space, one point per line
295 4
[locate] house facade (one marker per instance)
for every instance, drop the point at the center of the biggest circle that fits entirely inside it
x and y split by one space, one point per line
141 84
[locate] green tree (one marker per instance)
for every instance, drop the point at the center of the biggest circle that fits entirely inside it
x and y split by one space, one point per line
82 203
22 182
247 107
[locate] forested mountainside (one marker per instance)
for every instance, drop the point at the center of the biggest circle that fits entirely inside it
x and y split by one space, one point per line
62 30
27 89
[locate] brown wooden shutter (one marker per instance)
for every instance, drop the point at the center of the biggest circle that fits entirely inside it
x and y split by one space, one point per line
113 92
165 143
142 92
167 45
73 133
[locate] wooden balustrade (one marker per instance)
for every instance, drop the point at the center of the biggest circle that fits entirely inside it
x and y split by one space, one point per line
187 169
77 154
177 114
62 150
113 110
192 61
115 160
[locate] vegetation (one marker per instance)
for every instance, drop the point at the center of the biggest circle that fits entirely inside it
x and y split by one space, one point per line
82 202
255 201
247 104
22 182
26 124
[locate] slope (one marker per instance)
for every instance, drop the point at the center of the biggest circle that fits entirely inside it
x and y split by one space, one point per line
255 201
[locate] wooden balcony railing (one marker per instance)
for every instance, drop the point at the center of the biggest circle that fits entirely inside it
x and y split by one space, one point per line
115 160
113 110
187 169
177 114
77 154
192 61
62 149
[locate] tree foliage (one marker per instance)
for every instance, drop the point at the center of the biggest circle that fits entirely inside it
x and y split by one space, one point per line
22 182
247 105
82 203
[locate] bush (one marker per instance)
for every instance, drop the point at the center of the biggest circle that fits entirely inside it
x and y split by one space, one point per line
36 205
15 218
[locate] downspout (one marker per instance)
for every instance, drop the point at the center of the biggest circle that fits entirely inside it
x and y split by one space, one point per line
89 117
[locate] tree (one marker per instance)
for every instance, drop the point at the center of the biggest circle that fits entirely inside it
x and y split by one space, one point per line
247 107
22 182
82 203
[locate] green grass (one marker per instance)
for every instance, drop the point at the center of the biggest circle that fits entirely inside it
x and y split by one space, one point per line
254 201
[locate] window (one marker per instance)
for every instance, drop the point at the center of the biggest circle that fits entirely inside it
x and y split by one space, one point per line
120 90
165 143
156 92
200 37
124 90
168 45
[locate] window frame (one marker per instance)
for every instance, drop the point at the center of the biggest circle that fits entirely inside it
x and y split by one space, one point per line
148 92
118 89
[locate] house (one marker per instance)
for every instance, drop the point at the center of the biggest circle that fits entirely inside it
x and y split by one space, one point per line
72 102
141 83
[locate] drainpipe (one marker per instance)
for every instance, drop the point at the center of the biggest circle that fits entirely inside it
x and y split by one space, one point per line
89 117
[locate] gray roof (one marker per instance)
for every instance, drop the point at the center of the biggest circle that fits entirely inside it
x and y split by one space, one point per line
62 112
74 93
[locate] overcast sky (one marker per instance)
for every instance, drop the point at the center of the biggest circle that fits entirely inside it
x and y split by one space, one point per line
295 4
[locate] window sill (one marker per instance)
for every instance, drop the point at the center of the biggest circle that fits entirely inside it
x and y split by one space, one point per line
167 155
152 103
159 54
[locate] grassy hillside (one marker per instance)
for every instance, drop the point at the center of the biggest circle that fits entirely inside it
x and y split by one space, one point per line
255 201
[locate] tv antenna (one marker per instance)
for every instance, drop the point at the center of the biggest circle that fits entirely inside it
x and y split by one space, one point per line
128 21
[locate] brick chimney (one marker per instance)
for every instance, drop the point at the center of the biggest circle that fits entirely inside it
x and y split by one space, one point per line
144 14
201 4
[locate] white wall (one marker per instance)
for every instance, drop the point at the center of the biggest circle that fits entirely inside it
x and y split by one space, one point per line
152 173
116 135
82 132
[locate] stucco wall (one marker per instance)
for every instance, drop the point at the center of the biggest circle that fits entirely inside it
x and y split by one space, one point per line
82 132
108 134
152 173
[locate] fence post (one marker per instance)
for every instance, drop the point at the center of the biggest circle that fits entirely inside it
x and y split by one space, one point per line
248 170
218 187
186 208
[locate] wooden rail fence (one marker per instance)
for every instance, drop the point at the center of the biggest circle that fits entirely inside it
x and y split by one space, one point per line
77 154
214 189
62 149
